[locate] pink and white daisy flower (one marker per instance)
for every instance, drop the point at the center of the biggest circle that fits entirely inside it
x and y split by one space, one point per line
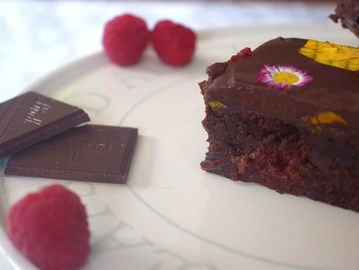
283 77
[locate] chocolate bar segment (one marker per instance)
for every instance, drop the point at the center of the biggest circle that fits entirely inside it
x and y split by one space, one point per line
31 118
86 153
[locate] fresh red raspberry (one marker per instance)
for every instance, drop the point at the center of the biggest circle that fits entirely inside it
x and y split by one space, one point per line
125 39
174 43
241 54
50 228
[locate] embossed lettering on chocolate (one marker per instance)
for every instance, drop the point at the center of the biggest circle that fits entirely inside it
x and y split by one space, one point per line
287 116
86 153
31 118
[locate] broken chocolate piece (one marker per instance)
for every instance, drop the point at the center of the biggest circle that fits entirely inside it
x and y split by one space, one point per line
87 153
30 118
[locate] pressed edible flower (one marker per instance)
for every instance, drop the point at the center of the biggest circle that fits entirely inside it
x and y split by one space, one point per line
283 77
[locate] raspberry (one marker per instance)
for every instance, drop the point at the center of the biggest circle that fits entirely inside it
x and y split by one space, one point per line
241 54
50 228
125 39
174 43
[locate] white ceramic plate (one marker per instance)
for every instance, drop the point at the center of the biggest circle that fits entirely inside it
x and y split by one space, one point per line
171 214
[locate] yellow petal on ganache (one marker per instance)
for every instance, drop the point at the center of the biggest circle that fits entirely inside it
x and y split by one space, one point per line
325 118
216 104
330 54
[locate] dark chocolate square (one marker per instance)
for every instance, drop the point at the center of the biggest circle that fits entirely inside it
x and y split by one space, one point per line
31 118
87 153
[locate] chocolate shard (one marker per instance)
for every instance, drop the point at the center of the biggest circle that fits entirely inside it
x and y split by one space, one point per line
86 153
31 118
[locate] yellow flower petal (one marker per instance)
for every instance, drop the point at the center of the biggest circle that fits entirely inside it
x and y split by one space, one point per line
325 118
216 104
330 54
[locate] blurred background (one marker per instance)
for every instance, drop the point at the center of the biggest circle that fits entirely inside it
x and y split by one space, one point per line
37 37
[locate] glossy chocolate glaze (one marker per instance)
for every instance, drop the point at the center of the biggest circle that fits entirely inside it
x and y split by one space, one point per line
332 89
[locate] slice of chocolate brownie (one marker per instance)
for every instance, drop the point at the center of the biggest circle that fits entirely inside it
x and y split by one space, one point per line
347 11
287 116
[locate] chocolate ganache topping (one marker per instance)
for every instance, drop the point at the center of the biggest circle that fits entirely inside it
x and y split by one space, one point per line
324 87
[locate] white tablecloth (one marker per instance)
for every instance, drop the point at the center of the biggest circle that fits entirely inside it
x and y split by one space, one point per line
37 37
